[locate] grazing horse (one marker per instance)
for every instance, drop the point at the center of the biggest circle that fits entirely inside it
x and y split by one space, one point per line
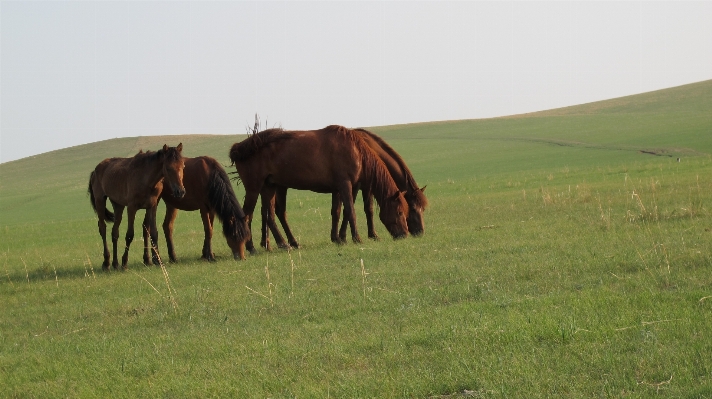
209 190
134 183
414 196
329 160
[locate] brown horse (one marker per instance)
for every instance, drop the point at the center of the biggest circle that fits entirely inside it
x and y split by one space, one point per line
333 159
208 189
414 196
135 183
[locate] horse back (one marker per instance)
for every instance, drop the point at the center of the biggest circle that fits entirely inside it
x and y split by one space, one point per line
306 160
124 184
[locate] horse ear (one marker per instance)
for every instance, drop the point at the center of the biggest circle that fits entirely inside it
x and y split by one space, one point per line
422 190
165 147
180 147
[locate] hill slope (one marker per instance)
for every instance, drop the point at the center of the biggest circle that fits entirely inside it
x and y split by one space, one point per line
673 122
558 260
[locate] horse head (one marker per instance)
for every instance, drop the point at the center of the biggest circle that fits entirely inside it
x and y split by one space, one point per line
394 215
237 232
173 166
416 205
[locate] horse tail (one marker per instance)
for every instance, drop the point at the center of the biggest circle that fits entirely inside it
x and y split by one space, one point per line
223 201
108 215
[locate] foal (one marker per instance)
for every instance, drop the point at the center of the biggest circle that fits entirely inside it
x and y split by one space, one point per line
134 183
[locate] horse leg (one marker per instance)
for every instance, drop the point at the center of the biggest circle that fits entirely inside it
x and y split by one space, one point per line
281 202
368 210
151 215
129 236
249 208
168 222
344 223
212 224
146 227
264 212
335 216
344 226
118 215
268 195
208 229
100 211
347 197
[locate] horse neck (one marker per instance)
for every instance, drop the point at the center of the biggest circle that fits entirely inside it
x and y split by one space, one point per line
401 173
151 172
382 184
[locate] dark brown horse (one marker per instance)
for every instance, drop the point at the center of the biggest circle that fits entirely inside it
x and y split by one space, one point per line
414 196
401 174
209 190
329 160
134 183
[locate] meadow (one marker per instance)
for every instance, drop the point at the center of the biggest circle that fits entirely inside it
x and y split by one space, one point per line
567 253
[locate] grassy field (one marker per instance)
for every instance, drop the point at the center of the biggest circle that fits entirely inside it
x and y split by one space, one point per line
567 253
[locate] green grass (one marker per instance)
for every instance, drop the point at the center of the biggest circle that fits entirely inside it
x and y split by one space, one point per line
558 261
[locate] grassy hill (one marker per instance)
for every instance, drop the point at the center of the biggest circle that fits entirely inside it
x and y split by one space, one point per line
566 253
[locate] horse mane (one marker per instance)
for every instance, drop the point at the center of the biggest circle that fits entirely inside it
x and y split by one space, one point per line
224 202
255 142
419 198
382 184
143 157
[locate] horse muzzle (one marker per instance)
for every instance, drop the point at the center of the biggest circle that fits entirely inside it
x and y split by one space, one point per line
417 233
179 192
400 236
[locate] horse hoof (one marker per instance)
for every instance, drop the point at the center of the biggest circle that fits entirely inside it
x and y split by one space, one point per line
252 251
295 245
284 246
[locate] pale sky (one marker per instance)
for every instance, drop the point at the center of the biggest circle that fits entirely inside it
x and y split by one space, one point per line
79 72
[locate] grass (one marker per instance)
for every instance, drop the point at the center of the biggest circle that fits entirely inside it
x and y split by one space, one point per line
558 260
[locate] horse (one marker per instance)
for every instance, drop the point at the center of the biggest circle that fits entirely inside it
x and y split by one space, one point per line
401 174
134 183
329 160
208 189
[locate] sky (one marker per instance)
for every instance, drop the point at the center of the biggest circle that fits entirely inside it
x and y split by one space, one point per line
78 72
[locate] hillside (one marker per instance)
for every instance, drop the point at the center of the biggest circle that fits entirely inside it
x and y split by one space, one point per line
674 122
566 254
